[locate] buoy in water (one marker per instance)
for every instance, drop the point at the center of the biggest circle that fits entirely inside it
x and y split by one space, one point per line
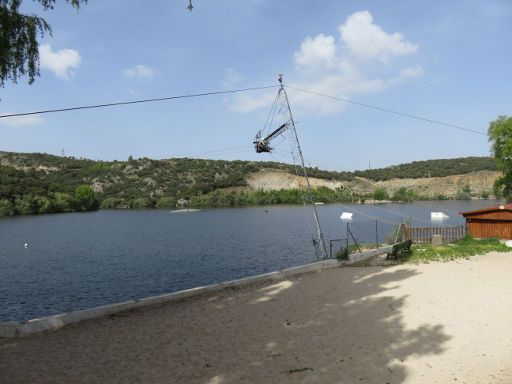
26 245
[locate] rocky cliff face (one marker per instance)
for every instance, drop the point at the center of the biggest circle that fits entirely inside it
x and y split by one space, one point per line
449 186
478 182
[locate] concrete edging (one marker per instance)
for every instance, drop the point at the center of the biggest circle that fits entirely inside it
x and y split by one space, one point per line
354 257
26 328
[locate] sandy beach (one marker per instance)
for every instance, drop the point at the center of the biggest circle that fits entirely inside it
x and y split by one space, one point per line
428 323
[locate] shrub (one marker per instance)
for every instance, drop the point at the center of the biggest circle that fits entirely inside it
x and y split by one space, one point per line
141 202
6 208
380 194
113 203
64 202
461 195
403 194
166 202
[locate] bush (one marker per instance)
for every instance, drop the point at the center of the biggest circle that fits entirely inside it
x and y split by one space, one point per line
403 194
380 194
166 202
6 208
141 202
113 203
44 204
64 202
461 195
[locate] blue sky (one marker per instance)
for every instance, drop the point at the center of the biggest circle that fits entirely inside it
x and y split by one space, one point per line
444 60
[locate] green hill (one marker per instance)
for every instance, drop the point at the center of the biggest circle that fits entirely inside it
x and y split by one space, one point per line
40 183
430 168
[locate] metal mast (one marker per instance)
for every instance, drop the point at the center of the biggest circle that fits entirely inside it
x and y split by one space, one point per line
288 128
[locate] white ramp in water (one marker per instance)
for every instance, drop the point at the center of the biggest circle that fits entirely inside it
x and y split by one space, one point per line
438 216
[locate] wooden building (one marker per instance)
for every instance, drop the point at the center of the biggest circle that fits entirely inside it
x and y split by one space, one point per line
490 222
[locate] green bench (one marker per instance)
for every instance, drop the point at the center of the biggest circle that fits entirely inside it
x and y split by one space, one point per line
398 248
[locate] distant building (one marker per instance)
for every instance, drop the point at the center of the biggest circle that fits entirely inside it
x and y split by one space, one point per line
490 222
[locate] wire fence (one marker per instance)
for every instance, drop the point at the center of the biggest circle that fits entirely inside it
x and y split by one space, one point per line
361 236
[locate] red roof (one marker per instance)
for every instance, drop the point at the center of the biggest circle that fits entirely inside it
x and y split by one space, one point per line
503 207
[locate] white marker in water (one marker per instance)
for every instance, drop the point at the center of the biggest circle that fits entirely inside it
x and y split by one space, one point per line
26 245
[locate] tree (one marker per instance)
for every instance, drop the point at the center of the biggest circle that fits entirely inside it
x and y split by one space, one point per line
500 137
85 199
19 48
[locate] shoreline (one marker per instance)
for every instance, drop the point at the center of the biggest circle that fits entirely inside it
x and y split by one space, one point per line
427 323
14 329
202 207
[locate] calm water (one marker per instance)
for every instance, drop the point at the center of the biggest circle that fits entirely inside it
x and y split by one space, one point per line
76 261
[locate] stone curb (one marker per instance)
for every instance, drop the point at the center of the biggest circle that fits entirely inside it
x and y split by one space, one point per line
354 257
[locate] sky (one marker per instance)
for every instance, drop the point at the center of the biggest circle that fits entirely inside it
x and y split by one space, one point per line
443 60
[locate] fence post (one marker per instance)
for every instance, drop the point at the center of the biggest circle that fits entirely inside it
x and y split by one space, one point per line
376 234
347 237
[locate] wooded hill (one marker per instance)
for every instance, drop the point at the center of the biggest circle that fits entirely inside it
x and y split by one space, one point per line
38 183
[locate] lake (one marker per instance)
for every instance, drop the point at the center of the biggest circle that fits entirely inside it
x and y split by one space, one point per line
81 260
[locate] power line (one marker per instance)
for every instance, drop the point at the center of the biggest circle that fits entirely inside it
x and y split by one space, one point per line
137 101
388 110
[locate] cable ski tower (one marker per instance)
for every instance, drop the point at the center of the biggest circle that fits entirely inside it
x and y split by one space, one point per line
281 116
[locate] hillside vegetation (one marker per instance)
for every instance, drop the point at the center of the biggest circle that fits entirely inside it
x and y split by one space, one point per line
430 168
40 183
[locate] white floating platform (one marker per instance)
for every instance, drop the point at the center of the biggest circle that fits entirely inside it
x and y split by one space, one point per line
346 216
187 210
438 216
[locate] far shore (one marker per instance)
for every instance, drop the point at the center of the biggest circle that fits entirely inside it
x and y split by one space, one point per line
200 207
427 323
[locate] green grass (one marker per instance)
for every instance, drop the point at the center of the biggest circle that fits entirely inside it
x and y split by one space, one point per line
421 253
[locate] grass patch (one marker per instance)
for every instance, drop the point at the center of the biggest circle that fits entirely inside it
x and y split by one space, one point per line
463 248
344 252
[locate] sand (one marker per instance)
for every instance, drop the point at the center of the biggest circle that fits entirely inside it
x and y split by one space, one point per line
429 323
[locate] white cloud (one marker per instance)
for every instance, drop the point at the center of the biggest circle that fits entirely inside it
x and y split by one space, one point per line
231 78
20 121
411 72
317 53
61 62
139 72
245 103
366 40
343 68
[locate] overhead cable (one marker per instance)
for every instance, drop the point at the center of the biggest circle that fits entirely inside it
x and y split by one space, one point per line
387 110
140 101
